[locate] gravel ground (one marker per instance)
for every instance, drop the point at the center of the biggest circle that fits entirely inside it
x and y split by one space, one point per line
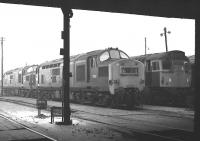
98 123
79 130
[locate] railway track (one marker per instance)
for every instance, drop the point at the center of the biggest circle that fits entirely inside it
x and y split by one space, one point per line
130 127
161 133
40 136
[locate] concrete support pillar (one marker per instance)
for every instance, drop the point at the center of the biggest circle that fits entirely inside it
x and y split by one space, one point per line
197 81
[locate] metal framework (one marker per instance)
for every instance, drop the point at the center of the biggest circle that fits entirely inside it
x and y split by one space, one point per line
164 8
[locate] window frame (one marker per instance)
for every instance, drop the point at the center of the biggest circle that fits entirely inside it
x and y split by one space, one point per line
121 52
104 59
157 62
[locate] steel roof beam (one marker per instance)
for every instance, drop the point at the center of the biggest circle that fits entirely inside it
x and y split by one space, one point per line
162 8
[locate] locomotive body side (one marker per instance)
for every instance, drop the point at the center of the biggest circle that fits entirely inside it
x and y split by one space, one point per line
12 81
50 74
29 77
89 73
29 81
13 78
50 79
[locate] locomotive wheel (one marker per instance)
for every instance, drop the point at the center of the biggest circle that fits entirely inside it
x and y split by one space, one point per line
99 101
76 97
115 101
107 100
104 100
129 99
72 97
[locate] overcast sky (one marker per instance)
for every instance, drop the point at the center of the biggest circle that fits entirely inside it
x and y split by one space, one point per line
33 34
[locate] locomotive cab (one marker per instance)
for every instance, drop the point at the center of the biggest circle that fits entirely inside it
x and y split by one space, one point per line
102 76
97 72
126 74
167 78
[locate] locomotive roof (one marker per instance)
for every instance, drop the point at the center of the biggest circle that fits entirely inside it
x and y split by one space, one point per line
59 60
27 67
91 53
13 70
51 62
78 56
172 55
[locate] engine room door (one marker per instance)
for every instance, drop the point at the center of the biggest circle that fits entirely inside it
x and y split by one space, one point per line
91 68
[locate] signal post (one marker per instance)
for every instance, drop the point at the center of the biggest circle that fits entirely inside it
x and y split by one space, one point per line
66 111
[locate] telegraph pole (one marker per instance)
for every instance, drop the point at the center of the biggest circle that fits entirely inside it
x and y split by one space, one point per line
2 39
165 34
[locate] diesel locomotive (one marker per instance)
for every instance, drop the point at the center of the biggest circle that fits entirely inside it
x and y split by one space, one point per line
102 77
167 78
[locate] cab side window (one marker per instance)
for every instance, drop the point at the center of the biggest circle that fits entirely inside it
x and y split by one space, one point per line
155 65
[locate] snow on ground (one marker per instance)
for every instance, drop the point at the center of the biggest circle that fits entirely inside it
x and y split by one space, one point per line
79 130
